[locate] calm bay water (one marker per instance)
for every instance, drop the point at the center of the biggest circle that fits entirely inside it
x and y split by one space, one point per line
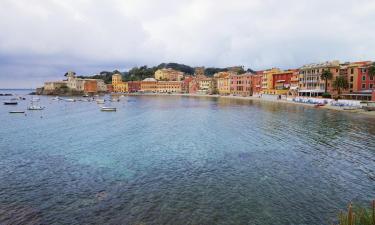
182 160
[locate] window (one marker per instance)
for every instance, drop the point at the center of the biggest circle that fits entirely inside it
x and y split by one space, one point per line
371 86
351 86
363 86
351 78
363 78
351 70
371 78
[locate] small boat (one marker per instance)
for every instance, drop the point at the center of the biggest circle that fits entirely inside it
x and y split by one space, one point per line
57 98
70 100
100 101
35 107
85 95
108 109
10 103
17 112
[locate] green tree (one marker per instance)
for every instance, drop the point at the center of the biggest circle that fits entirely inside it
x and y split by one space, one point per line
371 71
326 75
340 83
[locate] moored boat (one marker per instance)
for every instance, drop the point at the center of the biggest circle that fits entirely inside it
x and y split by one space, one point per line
108 109
14 112
70 100
100 101
35 107
10 103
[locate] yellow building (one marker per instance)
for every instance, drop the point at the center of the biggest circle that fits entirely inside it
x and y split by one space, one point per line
267 81
223 82
149 85
168 75
118 84
206 85
169 86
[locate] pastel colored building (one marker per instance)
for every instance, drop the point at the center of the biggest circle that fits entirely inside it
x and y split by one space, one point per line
256 83
109 88
168 75
169 86
311 84
223 82
361 84
282 81
118 84
90 86
206 86
134 86
149 85
185 84
268 82
241 84
101 86
194 86
54 85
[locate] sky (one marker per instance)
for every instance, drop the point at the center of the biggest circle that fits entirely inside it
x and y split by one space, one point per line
42 39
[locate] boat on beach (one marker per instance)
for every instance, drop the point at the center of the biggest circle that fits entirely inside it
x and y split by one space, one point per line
108 109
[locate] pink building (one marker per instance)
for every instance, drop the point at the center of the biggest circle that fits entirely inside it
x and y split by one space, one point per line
241 84
193 86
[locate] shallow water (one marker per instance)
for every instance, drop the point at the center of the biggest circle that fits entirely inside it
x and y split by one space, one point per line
182 160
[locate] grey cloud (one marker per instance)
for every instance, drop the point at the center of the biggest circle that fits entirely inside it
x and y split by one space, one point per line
41 39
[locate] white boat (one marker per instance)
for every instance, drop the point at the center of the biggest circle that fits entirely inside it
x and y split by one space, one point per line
57 98
35 107
70 100
108 109
100 101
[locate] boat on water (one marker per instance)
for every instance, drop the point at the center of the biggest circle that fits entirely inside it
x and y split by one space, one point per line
319 105
35 107
57 98
108 109
17 112
69 100
10 103
100 101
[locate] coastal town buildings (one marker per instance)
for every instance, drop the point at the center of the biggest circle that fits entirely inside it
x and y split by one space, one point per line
53 85
185 84
256 83
134 86
168 74
311 84
241 85
282 81
223 82
118 85
206 86
169 86
267 81
149 85
193 86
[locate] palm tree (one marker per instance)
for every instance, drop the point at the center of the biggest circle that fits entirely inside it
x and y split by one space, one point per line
326 75
371 71
340 83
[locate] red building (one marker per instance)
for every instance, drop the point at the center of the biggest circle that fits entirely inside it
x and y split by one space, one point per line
256 83
193 86
109 88
134 86
241 84
90 86
185 84
283 80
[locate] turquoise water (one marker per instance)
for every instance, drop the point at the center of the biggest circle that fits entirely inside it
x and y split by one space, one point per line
182 160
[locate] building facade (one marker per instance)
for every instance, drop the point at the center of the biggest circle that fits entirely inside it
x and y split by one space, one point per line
149 85
169 86
241 84
311 84
223 82
267 81
168 75
54 85
134 86
118 85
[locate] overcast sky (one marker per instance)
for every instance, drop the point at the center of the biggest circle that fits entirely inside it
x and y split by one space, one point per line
42 39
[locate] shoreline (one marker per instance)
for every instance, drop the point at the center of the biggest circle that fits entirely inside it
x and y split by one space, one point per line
250 98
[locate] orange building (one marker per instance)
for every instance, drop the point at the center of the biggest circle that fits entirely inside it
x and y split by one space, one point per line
149 85
90 86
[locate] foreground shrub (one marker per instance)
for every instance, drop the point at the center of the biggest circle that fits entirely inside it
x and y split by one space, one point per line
358 216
